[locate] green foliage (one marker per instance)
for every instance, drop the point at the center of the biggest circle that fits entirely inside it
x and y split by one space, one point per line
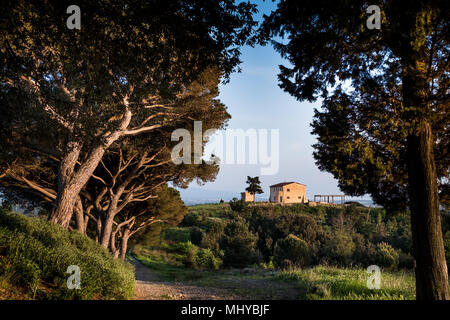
292 251
446 232
362 130
387 256
177 234
196 235
447 245
214 230
239 245
27 274
365 251
339 247
254 186
171 43
167 207
341 236
108 88
190 256
238 205
192 219
34 252
206 259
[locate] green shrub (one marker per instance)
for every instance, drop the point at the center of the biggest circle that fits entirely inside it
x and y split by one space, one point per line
190 260
387 256
27 274
177 234
365 253
205 259
239 245
238 205
214 231
35 251
183 248
293 249
196 235
339 248
192 219
405 261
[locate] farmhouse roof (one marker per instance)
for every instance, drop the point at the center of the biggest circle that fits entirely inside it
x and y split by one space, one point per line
285 183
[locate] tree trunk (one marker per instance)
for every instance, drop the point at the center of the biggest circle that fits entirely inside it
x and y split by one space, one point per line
79 216
67 191
86 222
431 268
63 210
99 230
105 236
124 243
111 212
112 245
428 246
70 182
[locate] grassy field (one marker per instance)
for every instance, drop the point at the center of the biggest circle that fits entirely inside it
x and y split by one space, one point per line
331 283
218 210
316 283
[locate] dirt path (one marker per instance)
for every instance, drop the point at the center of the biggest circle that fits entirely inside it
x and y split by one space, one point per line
149 287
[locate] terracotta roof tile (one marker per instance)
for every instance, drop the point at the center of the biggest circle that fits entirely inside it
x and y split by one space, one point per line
285 183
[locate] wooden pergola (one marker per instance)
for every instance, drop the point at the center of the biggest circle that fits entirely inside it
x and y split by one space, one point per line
326 197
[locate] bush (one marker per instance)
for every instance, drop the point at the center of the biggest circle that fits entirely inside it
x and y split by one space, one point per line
177 234
214 231
181 251
304 226
34 252
405 261
196 235
293 249
365 252
206 259
339 248
192 219
27 274
238 205
239 245
198 258
387 256
190 260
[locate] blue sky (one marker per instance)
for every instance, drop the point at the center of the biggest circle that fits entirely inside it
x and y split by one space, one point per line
254 100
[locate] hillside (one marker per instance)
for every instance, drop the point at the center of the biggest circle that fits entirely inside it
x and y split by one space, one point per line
263 251
35 255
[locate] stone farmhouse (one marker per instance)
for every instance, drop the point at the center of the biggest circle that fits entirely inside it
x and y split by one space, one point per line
288 192
247 197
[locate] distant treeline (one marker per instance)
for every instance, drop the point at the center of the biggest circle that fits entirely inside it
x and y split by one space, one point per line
294 236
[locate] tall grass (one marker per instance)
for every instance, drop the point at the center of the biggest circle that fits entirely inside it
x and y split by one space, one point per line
330 283
35 255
